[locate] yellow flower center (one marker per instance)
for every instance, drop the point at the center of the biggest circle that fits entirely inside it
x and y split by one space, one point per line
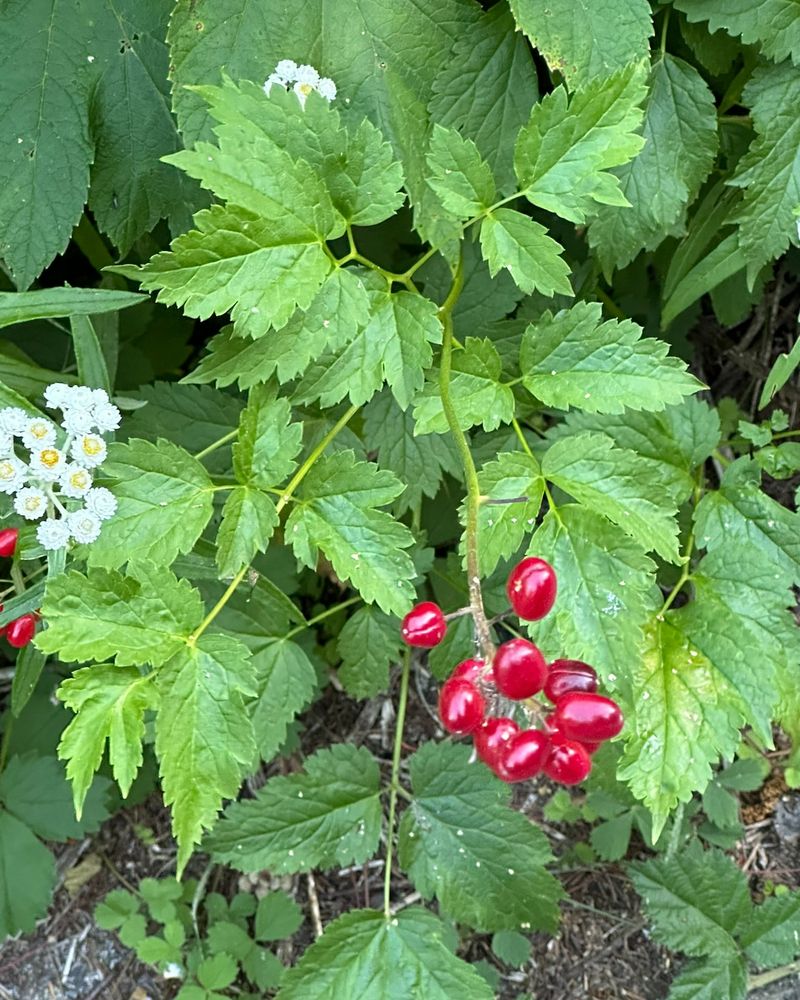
49 457
39 431
305 88
92 445
33 504
6 470
79 480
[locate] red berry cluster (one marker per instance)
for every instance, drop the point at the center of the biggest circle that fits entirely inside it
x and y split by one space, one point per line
573 730
20 631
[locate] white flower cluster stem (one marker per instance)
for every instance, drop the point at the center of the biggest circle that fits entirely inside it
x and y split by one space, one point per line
54 483
302 79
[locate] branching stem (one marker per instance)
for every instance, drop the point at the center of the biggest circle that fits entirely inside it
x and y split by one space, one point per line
394 787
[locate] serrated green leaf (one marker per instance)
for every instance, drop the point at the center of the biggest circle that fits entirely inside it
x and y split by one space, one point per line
774 24
710 978
144 617
511 947
217 972
115 909
164 499
444 845
564 153
459 175
51 303
576 359
27 877
771 937
336 513
277 917
368 645
503 527
610 840
285 680
249 518
161 895
109 703
721 807
616 483
680 133
514 242
204 738
745 774
604 579
478 394
367 955
582 40
269 442
679 722
328 816
780 373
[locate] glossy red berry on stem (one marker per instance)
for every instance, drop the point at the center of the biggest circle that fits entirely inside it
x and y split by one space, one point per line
568 763
472 670
520 670
490 739
461 706
20 632
424 625
531 588
564 676
523 756
587 717
8 541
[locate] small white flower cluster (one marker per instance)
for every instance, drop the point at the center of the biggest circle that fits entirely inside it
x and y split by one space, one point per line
303 80
59 473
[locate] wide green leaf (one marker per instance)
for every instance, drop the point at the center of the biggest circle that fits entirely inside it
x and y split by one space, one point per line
285 681
502 527
269 442
710 978
774 24
459 175
249 518
49 303
368 644
27 877
328 816
771 937
514 242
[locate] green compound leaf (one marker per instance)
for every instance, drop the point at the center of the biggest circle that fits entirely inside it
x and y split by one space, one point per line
774 24
285 681
144 617
514 242
564 153
368 644
459 175
582 40
680 132
363 954
328 816
27 877
769 172
576 359
478 394
503 527
164 501
616 483
772 933
679 722
604 581
249 519
711 977
696 900
450 843
204 738
269 442
109 703
336 513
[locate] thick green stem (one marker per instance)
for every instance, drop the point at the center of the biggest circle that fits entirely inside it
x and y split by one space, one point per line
765 978
322 616
217 444
394 787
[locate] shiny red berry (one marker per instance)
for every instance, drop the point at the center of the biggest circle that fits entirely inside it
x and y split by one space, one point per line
461 706
8 541
20 632
564 676
557 736
588 717
531 588
424 625
520 670
523 756
568 763
472 670
490 739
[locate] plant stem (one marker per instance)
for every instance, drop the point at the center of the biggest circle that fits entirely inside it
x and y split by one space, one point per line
323 615
675 832
395 781
217 444
6 740
470 473
765 978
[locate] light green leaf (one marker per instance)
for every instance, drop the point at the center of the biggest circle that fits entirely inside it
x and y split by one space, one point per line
576 359
204 738
164 501
368 645
680 133
27 671
249 519
679 722
141 618
459 175
503 527
782 369
478 394
336 512
109 703
405 325
515 242
268 443
285 681
564 153
772 933
89 358
616 483
27 877
774 24
51 303
277 917
710 978
363 954
217 972
511 947
328 816
723 260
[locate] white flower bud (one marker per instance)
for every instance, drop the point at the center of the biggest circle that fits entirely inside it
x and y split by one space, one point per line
106 417
31 503
13 419
286 70
101 502
79 397
327 88
84 526
53 533
57 395
78 420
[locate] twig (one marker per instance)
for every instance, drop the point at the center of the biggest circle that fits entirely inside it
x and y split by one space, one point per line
313 899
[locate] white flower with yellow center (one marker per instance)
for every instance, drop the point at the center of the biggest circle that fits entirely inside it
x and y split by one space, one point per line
48 464
53 533
31 503
101 502
13 419
38 433
84 526
76 481
89 450
12 474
